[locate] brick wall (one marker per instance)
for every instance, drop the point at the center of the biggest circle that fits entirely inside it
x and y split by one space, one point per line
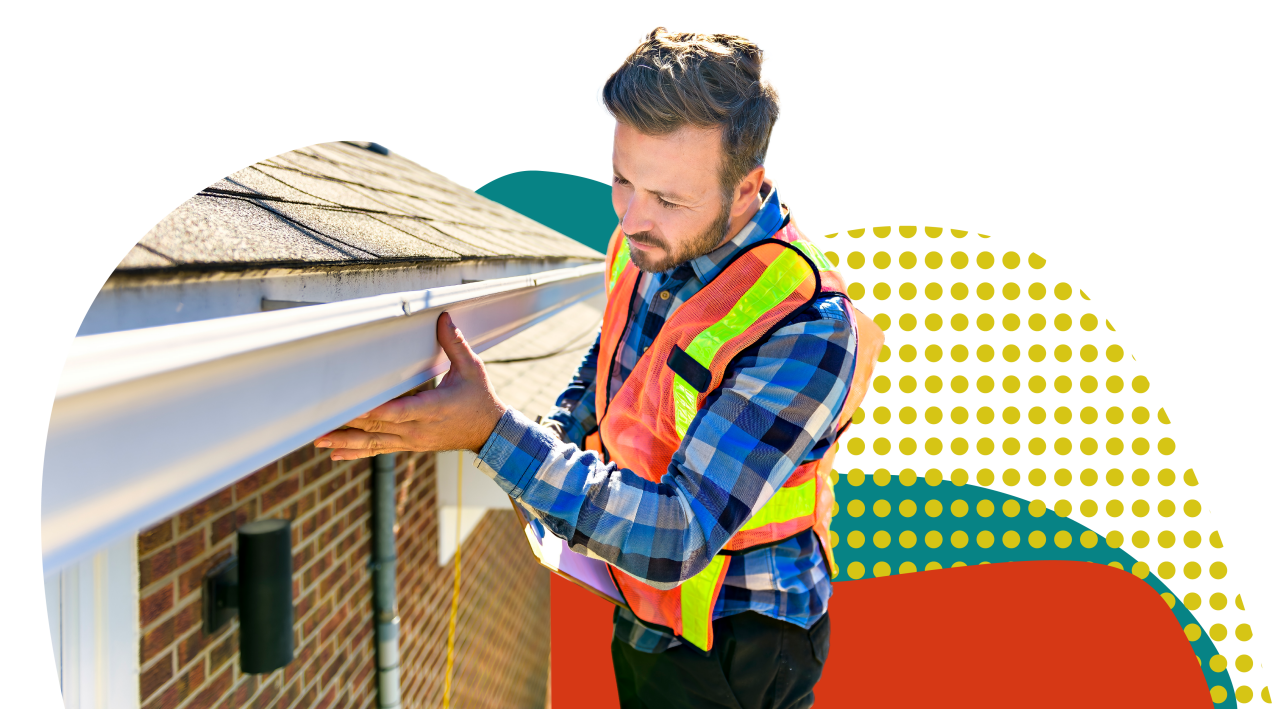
502 645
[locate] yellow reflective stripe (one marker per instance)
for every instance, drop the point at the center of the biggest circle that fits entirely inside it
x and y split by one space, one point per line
779 280
697 596
818 258
786 504
619 263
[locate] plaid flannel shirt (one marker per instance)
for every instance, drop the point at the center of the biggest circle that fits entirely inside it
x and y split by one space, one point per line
777 408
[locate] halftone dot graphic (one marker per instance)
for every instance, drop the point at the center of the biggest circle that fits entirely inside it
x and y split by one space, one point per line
1043 416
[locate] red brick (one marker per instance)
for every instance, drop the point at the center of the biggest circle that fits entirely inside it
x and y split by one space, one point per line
314 522
176 693
331 532
192 580
224 651
189 547
154 677
266 695
333 485
202 510
277 494
303 556
156 640
257 480
299 507
321 659
333 578
196 641
153 606
307 700
299 457
188 617
339 661
315 618
322 467
243 692
212 691
226 525
331 625
151 539
327 700
157 566
289 696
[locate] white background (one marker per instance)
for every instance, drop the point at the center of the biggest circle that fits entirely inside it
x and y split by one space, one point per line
1133 144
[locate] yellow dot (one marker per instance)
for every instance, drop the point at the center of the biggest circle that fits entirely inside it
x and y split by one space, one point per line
856 477
1036 384
1062 446
959 508
985 446
986 539
1218 601
881 231
1192 508
1115 539
907 508
1140 384
959 259
1036 539
986 415
881 446
1088 384
933 446
907 539
985 260
1141 570
856 291
1088 508
1088 446
1062 291
1191 570
985 323
1115 384
1115 508
1239 602
857 570
1036 322
1088 353
907 384
1218 663
907 477
1035 446
959 446
1010 291
856 539
856 508
1189 478
1218 632
1244 695
1141 539
985 477
1218 570
881 291
1062 508
907 231
1244 663
1244 633
933 540
1088 539
1166 508
1010 447
1165 446
933 508
882 508
906 567
985 508
932 566
959 539
907 260
1088 476
881 478
933 476
1062 384
880 539
1169 599
1036 291
856 259
1010 539
1166 570
1062 539
1141 508
1192 601
1010 508
1193 632
1166 477
985 291
881 569
959 291
907 291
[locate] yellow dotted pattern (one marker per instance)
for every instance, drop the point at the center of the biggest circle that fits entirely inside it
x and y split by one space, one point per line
995 364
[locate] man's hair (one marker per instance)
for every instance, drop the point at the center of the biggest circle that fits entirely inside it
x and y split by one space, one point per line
674 79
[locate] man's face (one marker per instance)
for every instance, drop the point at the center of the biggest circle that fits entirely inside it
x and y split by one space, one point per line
666 192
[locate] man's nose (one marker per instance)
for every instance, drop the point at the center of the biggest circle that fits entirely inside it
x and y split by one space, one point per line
637 217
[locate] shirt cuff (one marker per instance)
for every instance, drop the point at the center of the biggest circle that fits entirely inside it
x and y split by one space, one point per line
515 452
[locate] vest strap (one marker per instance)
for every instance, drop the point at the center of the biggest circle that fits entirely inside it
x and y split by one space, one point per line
698 599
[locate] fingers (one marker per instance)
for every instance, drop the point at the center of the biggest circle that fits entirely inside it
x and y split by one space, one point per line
355 439
455 346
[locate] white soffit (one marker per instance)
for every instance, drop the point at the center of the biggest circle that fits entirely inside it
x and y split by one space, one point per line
148 421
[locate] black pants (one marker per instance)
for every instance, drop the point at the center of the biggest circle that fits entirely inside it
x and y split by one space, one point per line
756 662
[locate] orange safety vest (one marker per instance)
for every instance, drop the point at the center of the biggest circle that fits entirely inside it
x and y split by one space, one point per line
642 426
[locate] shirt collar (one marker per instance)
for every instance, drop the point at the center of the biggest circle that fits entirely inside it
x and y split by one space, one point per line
766 222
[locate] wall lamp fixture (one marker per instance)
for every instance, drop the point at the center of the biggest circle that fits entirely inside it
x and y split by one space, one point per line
258 585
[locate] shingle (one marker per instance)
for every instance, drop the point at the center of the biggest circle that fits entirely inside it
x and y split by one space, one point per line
219 230
358 230
142 257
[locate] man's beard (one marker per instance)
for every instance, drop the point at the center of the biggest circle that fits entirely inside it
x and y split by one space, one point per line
701 244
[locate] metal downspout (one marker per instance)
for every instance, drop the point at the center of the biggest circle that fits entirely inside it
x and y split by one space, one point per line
383 563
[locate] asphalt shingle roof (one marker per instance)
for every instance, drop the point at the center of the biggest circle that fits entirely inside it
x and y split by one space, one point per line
340 203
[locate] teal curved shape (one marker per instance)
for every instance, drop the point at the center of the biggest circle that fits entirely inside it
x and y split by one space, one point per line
578 207
861 488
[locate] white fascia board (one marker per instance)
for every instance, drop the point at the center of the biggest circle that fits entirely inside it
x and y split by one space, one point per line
149 421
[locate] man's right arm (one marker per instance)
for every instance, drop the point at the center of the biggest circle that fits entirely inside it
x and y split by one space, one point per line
575 412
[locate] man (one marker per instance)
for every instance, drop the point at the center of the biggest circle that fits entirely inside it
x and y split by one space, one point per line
692 450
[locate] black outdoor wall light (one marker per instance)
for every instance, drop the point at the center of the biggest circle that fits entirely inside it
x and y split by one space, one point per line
258 584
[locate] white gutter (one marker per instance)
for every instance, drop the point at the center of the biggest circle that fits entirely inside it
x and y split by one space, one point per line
149 421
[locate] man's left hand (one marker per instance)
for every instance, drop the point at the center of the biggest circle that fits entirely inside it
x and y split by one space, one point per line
459 414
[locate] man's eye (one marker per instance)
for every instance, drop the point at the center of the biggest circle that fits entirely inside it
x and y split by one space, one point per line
619 181
668 205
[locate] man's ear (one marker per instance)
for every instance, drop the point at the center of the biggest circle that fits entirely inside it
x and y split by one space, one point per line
745 194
